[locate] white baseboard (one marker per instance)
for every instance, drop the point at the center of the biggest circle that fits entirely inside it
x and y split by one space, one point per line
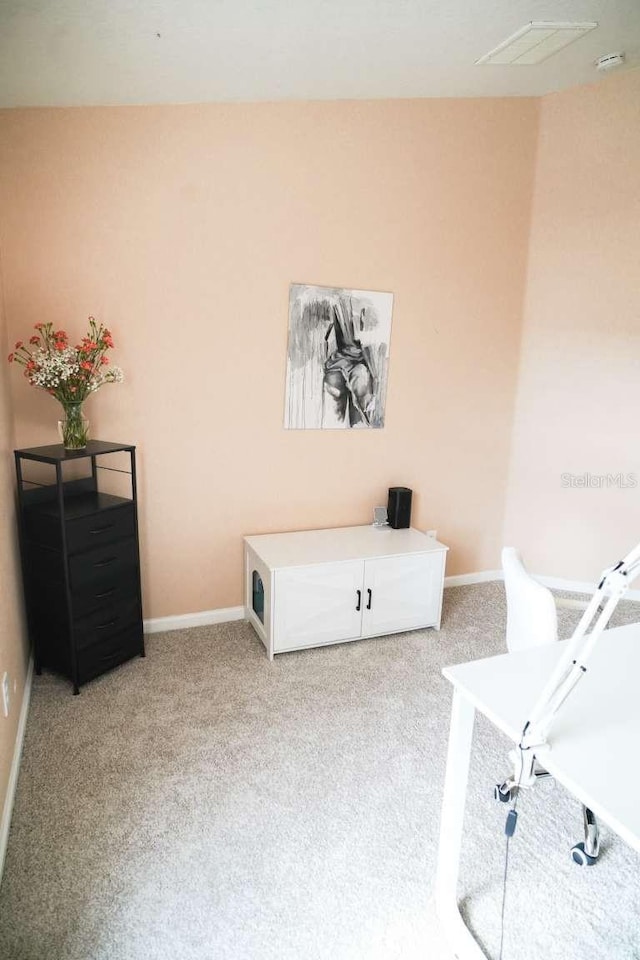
554 583
580 586
202 619
15 767
483 576
226 614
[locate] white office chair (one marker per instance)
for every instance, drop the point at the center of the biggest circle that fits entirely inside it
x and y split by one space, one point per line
532 620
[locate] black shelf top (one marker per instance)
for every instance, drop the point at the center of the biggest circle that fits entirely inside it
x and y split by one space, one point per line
56 453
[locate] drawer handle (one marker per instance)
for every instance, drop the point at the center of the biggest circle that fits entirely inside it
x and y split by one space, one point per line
104 563
109 623
108 526
369 599
108 657
107 593
359 603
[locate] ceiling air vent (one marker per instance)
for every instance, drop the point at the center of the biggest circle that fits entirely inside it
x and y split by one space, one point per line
535 42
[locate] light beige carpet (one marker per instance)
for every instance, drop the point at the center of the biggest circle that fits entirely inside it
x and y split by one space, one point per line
205 804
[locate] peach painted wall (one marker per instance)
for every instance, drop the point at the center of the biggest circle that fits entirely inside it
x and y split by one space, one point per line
579 383
13 645
182 228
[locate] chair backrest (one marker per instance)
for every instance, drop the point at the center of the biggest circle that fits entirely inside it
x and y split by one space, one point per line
531 609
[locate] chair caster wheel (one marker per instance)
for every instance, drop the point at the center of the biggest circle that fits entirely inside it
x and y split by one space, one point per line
503 793
580 856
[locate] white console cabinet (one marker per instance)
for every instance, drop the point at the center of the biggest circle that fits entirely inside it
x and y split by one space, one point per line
316 587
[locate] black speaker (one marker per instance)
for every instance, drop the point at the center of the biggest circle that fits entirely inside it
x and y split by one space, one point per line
399 508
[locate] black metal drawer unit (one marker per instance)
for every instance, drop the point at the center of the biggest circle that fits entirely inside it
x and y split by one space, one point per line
80 560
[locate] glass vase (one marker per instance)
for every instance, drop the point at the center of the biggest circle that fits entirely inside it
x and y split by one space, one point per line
74 429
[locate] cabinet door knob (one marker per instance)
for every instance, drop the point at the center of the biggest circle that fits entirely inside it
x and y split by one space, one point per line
104 563
107 526
359 603
368 599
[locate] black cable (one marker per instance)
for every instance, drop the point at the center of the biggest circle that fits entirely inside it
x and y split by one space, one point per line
510 827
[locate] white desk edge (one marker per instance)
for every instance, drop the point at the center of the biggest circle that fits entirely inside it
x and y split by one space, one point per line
480 685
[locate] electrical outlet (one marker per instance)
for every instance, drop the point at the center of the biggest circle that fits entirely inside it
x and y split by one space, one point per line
5 693
432 533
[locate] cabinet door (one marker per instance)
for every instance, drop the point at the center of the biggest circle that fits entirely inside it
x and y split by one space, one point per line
317 604
402 593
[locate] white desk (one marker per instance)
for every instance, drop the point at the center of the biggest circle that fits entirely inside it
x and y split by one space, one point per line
591 749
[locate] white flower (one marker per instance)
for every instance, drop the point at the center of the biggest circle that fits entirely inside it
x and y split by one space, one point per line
112 375
54 368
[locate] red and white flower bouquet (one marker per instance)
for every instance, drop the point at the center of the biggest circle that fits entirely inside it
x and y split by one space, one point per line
68 373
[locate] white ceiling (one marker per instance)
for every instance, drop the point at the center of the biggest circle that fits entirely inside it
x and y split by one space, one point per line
66 52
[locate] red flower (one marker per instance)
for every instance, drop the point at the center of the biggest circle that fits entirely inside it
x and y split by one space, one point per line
87 356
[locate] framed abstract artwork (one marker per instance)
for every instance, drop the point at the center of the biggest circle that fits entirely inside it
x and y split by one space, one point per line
337 358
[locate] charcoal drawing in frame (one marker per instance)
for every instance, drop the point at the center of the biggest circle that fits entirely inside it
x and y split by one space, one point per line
337 358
